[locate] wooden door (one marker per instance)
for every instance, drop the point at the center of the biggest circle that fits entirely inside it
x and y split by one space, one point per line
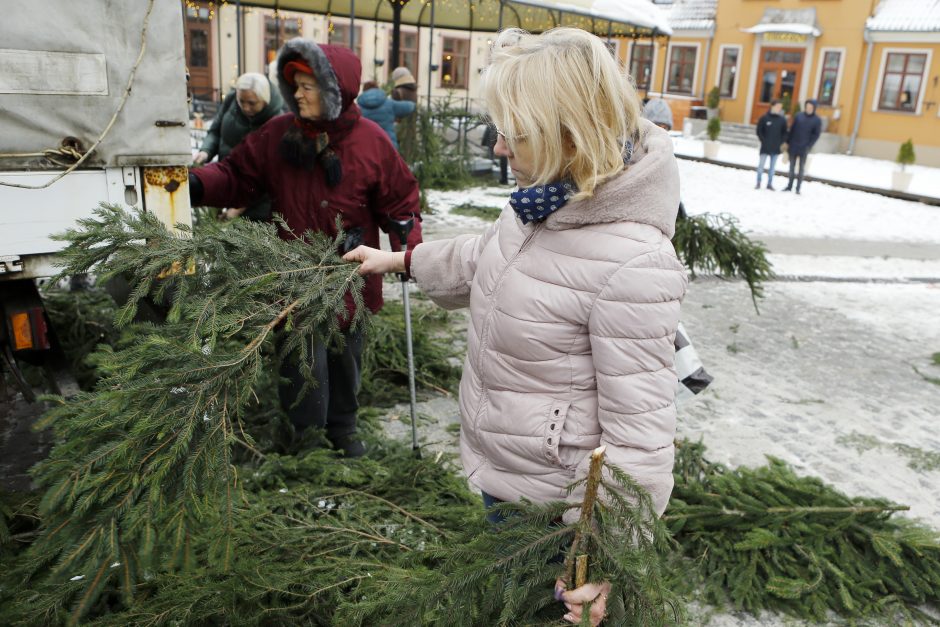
199 57
778 76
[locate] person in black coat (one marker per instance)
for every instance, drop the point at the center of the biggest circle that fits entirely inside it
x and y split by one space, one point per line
245 109
805 130
772 132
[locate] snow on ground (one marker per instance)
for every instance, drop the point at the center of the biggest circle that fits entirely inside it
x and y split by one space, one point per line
845 168
855 268
821 211
824 378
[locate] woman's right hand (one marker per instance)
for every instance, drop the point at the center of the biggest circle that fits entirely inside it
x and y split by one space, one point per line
375 261
201 157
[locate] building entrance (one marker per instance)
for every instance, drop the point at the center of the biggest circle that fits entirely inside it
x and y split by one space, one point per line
778 76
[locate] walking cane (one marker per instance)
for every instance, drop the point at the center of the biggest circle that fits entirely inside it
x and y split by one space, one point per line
403 228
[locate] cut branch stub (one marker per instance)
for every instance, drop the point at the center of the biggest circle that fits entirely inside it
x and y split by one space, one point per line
576 565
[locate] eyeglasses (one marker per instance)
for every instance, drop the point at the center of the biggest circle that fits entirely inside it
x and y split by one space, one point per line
508 137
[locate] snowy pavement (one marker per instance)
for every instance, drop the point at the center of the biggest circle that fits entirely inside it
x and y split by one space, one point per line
820 212
844 168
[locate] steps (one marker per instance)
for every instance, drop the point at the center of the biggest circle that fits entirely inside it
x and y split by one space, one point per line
741 134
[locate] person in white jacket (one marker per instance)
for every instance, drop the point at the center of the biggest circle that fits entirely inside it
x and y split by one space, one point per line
573 292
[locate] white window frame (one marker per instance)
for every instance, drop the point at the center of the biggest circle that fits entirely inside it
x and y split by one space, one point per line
819 71
737 69
653 55
923 80
695 67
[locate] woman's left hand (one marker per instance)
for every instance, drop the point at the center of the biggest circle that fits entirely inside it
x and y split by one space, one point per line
574 600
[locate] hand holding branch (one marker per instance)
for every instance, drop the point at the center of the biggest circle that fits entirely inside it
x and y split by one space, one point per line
375 261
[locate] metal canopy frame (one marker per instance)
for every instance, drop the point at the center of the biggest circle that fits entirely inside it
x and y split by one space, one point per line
480 16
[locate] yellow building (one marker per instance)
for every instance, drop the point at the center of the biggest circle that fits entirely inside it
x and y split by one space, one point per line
873 66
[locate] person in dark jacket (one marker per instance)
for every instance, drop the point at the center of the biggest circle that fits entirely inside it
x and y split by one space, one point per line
245 109
772 132
382 110
319 162
805 130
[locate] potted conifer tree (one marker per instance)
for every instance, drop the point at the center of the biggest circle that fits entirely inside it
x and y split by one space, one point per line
712 100
901 179
711 144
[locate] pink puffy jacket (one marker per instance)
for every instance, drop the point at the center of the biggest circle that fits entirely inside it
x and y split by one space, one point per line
571 338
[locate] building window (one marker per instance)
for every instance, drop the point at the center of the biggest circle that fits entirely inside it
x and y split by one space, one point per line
340 36
641 65
277 31
830 74
408 51
197 14
727 75
681 69
900 84
198 48
455 62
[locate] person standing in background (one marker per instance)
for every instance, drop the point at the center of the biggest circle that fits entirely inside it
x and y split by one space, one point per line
772 132
245 109
805 130
405 88
382 110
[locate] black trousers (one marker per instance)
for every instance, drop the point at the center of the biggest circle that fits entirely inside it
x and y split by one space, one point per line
793 157
332 404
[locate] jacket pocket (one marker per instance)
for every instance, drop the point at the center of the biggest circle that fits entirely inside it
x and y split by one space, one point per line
551 437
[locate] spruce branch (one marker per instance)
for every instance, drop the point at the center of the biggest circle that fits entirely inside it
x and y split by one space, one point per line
163 417
765 538
714 243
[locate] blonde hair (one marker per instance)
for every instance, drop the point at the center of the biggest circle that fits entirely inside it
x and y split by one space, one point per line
258 83
564 94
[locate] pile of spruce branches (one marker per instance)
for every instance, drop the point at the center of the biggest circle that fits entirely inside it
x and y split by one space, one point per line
166 500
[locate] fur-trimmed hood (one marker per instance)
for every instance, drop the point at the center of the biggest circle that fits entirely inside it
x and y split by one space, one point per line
337 71
647 191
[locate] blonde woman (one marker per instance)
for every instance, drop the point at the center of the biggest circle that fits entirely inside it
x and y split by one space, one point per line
573 293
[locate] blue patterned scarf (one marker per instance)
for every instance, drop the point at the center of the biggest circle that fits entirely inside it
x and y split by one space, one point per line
532 204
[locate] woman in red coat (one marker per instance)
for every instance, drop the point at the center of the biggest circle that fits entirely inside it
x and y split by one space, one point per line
320 161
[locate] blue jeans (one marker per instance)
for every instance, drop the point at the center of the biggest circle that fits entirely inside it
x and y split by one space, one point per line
770 171
492 517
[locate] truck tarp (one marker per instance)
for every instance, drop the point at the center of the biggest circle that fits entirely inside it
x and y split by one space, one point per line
64 67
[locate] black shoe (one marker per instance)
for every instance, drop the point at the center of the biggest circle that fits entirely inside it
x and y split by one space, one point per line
757 186
787 188
797 191
350 445
771 188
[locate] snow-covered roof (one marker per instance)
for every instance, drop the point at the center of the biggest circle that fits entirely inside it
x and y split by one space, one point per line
799 21
689 14
906 15
639 12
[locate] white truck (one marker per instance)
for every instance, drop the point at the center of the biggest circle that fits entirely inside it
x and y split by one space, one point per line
93 108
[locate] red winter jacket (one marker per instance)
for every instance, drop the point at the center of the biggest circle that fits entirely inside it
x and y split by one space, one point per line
376 184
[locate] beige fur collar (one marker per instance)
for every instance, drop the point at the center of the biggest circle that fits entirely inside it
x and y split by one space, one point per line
647 191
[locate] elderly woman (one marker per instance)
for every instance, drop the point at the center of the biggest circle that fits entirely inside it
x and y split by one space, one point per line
573 292
320 163
245 109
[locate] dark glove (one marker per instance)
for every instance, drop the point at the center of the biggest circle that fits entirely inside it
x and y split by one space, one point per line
196 190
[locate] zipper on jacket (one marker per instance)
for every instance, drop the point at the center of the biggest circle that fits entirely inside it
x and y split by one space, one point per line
499 281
